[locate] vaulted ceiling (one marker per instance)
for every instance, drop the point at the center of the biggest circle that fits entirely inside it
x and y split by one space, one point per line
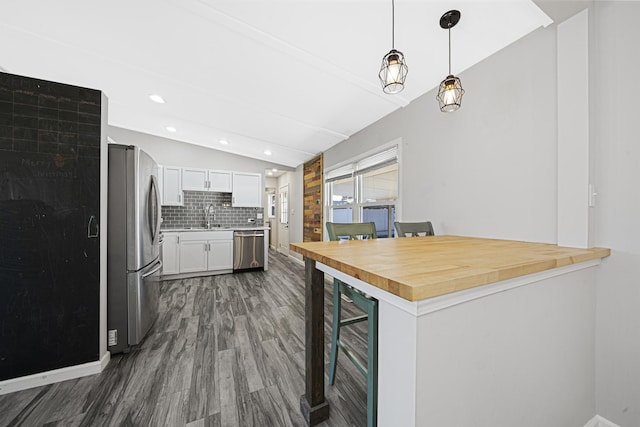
290 77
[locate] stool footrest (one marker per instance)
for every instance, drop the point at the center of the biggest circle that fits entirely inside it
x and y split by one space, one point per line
353 320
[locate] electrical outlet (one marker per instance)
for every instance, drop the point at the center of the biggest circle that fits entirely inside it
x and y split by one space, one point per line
112 337
259 215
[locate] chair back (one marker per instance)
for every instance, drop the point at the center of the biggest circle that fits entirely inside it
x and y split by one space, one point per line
357 230
414 229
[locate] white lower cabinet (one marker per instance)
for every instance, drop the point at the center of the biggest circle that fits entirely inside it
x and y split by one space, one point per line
220 255
171 253
193 255
197 251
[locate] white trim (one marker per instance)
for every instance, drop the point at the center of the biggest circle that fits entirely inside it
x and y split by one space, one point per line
430 305
104 360
296 259
57 375
196 274
598 421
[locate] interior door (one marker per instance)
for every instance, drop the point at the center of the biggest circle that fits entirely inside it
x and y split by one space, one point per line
283 219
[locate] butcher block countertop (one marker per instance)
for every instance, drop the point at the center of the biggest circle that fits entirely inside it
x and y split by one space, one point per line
416 268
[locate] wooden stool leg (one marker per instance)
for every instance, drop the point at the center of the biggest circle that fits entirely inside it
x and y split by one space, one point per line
372 366
335 332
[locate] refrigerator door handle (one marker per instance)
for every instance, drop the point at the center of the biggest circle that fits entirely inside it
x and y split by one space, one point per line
93 234
155 269
154 203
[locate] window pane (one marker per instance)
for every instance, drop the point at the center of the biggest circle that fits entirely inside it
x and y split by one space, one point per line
380 184
342 192
284 207
380 216
342 215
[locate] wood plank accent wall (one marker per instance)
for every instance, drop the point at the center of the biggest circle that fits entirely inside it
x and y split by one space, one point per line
313 199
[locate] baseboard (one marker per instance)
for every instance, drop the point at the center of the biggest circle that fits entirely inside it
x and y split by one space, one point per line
294 258
55 376
599 421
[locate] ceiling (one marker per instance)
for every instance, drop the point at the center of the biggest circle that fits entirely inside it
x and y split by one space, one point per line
290 77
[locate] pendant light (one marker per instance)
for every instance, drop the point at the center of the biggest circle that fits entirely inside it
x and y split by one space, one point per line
450 91
394 69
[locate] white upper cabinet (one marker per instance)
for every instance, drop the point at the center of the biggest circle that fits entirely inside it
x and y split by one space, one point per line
194 179
161 183
246 187
220 181
247 190
172 186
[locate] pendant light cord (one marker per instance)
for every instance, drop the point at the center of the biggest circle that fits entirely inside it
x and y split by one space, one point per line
393 24
449 50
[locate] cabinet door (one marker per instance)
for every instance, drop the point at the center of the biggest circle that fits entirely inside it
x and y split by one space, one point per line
220 181
171 253
247 190
220 254
172 186
194 179
193 256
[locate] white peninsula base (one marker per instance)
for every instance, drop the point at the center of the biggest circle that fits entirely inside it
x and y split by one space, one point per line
513 353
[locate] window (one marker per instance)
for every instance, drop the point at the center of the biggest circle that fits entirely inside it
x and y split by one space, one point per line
272 205
284 207
365 191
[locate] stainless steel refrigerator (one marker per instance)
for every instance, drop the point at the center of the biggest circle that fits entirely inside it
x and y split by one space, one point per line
133 246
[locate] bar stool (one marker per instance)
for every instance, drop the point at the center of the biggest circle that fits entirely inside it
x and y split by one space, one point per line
370 306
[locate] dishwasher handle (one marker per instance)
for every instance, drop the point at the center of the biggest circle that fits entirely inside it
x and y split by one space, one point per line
248 235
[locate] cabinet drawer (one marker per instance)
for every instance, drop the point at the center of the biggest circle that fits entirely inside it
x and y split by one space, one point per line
206 235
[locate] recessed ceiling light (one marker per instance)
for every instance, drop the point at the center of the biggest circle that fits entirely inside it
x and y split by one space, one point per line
223 142
269 173
274 170
156 98
267 152
171 129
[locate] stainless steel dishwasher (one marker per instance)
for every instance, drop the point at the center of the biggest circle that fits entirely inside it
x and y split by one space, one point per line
248 249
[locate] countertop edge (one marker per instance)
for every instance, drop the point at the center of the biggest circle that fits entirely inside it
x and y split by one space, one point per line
482 277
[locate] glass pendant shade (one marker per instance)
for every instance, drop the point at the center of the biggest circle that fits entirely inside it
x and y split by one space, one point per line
450 94
393 72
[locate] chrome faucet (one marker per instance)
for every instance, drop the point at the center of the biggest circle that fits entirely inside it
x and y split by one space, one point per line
208 211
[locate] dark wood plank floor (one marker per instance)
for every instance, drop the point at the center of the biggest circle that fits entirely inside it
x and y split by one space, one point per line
225 350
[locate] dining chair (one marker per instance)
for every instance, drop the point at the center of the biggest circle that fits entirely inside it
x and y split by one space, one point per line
414 229
369 305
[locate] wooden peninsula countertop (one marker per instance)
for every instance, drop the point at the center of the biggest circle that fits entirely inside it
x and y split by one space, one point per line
417 268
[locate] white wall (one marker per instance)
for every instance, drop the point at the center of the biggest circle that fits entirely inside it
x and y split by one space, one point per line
488 169
175 153
617 164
